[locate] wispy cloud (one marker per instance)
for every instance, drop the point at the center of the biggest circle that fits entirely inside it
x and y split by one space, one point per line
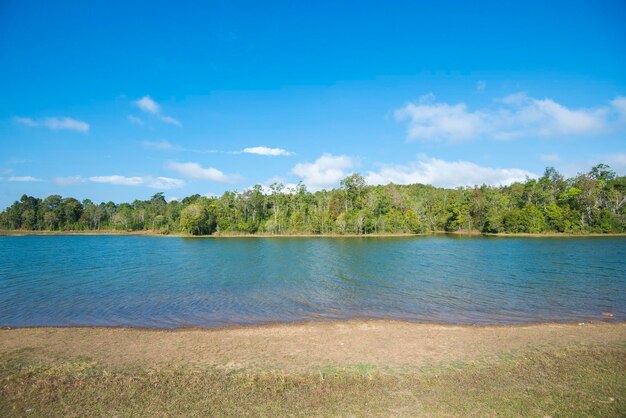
55 124
25 121
118 180
196 171
325 172
170 120
66 123
517 115
135 120
481 85
165 145
148 105
267 151
23 179
446 173
161 145
148 181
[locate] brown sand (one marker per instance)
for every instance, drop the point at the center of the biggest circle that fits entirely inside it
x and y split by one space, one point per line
303 346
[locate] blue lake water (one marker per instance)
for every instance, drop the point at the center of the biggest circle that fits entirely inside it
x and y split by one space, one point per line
174 282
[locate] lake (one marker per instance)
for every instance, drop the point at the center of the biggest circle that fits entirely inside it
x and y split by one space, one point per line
178 282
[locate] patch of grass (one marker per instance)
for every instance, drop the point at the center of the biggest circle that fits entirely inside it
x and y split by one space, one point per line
575 381
16 361
365 369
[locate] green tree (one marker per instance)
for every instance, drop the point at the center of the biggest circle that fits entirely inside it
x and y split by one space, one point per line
197 220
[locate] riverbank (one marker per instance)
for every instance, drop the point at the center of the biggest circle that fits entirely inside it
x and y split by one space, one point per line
153 233
316 368
303 346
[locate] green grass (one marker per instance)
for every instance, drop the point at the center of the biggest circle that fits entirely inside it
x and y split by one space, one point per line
576 381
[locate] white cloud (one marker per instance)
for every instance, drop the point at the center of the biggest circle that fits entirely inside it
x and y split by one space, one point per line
288 188
267 151
66 123
161 145
440 121
165 183
170 120
514 99
446 174
168 146
135 120
25 121
196 171
68 181
149 181
23 178
516 115
148 105
548 118
550 158
118 180
55 123
619 104
427 98
325 172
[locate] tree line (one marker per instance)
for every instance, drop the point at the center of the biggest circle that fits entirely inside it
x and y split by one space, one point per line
593 202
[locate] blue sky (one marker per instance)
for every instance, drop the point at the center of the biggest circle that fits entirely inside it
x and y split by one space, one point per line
118 101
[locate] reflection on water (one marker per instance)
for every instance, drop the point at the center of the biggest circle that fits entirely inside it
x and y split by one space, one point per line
171 282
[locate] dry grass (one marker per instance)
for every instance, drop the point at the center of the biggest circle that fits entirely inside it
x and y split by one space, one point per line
579 380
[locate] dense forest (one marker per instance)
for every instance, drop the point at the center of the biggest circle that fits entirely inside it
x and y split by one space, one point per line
593 202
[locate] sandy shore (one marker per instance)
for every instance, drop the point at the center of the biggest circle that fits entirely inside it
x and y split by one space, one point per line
304 346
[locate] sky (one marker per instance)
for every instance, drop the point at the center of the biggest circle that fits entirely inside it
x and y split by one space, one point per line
119 100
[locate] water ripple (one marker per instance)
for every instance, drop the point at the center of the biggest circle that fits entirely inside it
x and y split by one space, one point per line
173 282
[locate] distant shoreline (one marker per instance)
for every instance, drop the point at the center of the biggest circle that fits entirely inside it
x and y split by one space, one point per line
152 233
